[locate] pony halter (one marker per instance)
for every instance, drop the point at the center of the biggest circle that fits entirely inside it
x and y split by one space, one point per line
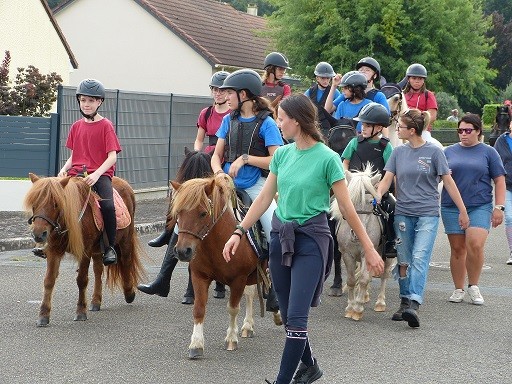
207 227
55 225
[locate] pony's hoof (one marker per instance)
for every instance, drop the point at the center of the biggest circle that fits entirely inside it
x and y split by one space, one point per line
335 291
247 333
129 297
357 316
349 314
80 317
231 345
380 308
94 307
43 321
277 318
195 353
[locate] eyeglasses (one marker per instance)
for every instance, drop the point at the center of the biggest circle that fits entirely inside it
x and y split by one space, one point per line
399 126
217 90
467 131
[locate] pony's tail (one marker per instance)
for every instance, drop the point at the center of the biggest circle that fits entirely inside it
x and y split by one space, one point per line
129 267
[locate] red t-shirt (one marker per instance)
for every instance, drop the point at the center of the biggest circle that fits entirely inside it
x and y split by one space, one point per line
91 143
212 125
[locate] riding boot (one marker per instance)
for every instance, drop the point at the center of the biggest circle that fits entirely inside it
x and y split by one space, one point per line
110 256
405 303
162 284
220 290
162 239
271 305
188 297
410 314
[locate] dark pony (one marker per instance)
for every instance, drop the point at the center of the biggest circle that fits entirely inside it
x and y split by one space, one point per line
62 221
204 210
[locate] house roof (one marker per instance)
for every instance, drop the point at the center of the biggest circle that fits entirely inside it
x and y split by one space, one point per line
72 58
217 31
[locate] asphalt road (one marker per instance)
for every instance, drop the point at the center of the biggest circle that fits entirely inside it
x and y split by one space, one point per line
147 341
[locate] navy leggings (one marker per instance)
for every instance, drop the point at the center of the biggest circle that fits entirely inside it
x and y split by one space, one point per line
103 188
295 287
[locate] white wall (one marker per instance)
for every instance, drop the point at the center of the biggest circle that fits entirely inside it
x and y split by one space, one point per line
123 46
27 32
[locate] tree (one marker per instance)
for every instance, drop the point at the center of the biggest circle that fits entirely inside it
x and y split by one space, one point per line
33 94
264 6
395 32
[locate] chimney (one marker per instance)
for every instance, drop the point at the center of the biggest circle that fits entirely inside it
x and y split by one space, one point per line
252 9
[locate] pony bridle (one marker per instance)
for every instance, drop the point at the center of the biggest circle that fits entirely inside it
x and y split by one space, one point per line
54 224
207 227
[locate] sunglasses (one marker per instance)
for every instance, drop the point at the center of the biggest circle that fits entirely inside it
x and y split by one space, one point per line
467 131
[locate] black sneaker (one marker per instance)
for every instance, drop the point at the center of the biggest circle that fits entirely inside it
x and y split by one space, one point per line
306 375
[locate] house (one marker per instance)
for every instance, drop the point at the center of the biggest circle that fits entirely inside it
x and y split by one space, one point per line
162 46
31 35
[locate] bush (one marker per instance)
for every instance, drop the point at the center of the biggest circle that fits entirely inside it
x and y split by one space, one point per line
445 104
33 94
489 114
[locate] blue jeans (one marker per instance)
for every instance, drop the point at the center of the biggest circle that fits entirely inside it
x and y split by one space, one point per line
266 218
508 208
415 243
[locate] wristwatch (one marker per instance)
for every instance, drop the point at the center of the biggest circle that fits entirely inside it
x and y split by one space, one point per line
500 207
245 158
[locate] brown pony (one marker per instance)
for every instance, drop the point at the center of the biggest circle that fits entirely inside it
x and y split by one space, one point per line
62 221
204 210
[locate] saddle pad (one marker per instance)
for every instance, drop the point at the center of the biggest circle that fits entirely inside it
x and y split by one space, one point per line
123 218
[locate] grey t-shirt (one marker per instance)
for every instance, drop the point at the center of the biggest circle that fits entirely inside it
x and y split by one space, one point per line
418 172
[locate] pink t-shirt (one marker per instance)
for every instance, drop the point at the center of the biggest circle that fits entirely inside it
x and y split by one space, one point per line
212 125
91 143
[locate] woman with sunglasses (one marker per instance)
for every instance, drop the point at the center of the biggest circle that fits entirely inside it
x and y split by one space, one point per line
474 166
418 167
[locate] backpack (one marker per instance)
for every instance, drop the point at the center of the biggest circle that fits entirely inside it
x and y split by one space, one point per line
340 135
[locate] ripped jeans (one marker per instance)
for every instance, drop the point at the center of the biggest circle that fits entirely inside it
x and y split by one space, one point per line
415 243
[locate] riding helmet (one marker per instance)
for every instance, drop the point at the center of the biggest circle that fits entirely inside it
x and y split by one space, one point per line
276 59
90 87
374 113
218 79
324 69
371 63
353 79
416 70
244 79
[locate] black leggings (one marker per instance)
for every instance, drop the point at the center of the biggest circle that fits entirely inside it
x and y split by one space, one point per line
103 188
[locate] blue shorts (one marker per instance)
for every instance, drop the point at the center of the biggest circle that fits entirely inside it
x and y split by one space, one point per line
479 217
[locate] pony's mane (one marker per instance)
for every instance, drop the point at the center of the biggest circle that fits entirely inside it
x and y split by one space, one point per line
49 192
193 194
360 183
196 164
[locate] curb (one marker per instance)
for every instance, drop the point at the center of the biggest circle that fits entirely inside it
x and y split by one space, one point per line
17 243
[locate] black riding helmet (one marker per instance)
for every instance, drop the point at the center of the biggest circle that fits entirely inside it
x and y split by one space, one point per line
374 114
218 79
416 70
243 79
277 59
371 63
324 69
92 88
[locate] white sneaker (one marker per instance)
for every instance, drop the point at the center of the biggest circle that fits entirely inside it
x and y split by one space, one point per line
457 296
474 294
509 261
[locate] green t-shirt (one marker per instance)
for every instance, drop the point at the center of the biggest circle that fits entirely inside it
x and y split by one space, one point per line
353 144
304 179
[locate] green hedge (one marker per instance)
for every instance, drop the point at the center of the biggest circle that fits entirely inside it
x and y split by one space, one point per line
489 114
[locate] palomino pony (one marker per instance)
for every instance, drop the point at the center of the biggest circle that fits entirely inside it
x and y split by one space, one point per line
62 221
204 211
362 190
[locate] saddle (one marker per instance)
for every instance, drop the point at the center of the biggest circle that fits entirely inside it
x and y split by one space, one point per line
123 218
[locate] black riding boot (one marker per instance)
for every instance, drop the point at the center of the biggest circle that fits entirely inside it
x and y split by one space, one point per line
162 283
110 256
162 239
404 303
271 305
188 297
411 315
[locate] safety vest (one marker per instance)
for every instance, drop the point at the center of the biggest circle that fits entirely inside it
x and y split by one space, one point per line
369 152
272 92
